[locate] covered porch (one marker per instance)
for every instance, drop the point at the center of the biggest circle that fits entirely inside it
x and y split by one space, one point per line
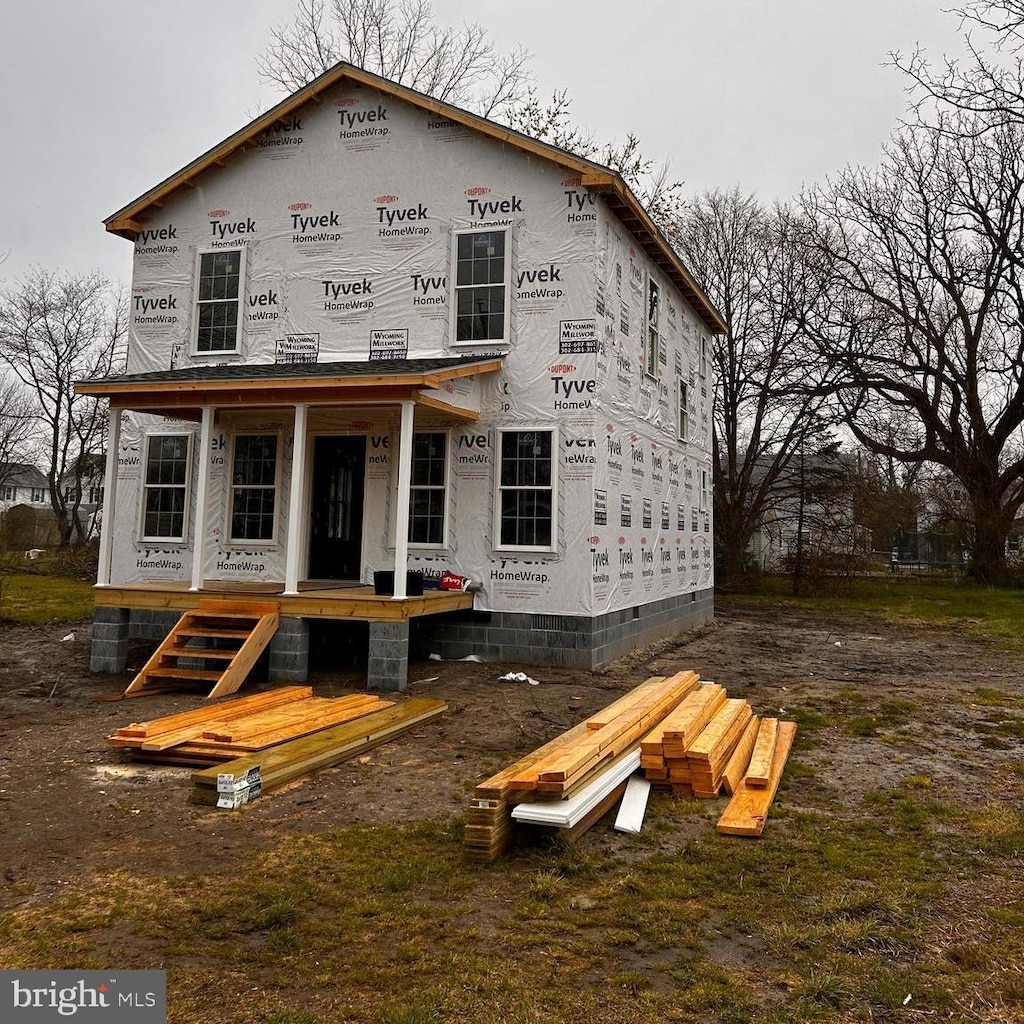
427 394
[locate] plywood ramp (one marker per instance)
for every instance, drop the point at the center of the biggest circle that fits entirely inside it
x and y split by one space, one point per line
216 645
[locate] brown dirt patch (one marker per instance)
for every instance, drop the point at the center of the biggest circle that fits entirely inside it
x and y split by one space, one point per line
73 807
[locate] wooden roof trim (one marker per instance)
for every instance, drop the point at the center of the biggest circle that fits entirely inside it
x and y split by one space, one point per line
431 379
124 222
430 402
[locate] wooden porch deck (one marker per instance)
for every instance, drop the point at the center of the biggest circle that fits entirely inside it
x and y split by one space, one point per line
315 600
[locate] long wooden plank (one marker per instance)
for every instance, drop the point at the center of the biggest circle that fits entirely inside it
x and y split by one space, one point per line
623 703
705 744
251 726
736 766
310 726
329 754
224 711
760 769
747 811
682 726
617 733
409 712
523 775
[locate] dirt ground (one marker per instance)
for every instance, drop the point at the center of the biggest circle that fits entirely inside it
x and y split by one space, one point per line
73 807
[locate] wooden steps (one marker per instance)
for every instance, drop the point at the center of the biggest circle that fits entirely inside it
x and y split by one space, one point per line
222 732
217 643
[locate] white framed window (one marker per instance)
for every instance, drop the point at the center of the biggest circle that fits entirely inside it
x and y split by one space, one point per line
8 493
38 494
165 488
526 509
428 500
220 281
255 482
95 496
653 337
683 417
704 366
482 274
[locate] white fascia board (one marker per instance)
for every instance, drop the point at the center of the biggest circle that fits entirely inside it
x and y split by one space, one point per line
566 813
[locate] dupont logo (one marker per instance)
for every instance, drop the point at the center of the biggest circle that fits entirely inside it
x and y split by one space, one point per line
622 540
381 200
299 207
478 190
594 540
572 182
218 213
348 101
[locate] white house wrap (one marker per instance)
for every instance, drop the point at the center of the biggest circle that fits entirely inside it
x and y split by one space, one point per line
362 224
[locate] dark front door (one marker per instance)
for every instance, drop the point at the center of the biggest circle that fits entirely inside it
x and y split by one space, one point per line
336 510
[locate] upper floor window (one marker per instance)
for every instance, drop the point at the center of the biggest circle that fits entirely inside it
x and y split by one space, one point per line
429 497
95 496
482 272
526 490
165 490
684 415
653 328
219 300
254 482
38 494
8 493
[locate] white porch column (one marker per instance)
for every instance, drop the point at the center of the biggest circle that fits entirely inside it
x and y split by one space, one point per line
402 499
203 477
296 502
108 525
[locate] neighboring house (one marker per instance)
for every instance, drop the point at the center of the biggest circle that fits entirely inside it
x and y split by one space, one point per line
371 331
89 497
826 487
26 520
22 484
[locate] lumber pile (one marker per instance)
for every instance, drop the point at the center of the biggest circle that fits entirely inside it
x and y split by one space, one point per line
244 725
239 781
683 734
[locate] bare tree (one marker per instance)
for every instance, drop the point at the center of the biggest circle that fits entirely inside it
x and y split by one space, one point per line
400 40
928 323
56 329
17 422
770 384
989 82
397 39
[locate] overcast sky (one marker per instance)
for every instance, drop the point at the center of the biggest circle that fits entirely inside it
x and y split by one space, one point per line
105 98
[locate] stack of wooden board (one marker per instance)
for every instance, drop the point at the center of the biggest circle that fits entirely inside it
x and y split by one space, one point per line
683 734
237 781
747 811
221 732
568 764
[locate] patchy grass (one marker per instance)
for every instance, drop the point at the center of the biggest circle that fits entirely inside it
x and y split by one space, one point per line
824 916
995 612
39 599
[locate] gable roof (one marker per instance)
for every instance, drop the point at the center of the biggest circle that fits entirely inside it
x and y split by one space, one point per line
594 176
21 474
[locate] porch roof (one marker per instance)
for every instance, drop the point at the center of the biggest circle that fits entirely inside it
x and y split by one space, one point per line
183 392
